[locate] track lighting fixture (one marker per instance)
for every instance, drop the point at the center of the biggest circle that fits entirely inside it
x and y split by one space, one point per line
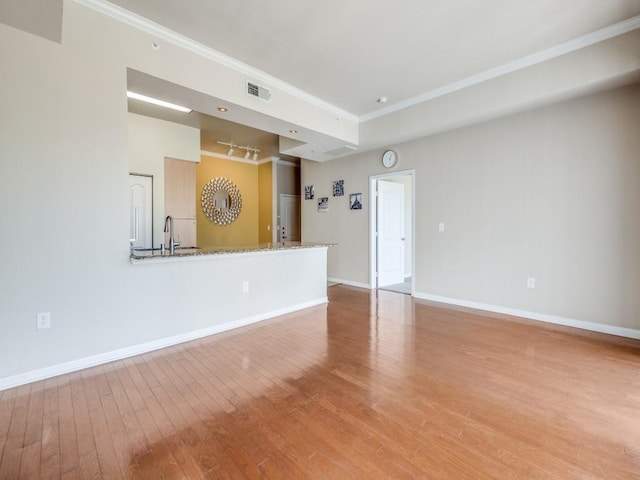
248 150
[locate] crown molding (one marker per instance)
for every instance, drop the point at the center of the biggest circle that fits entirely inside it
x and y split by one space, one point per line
222 156
288 164
592 38
268 160
160 32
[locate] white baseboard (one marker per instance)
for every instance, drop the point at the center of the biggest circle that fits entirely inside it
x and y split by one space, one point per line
349 283
568 322
92 361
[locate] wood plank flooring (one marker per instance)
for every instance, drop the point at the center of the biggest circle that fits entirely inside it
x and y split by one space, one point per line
372 385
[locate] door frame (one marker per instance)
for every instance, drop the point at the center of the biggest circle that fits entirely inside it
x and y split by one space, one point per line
373 218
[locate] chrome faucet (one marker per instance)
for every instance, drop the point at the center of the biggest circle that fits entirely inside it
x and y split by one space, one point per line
168 227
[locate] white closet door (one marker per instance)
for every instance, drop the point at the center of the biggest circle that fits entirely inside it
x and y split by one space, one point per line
390 233
290 217
141 202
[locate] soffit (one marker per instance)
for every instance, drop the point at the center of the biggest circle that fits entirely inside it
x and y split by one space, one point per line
40 17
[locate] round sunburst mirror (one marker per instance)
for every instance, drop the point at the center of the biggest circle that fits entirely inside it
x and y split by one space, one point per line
221 201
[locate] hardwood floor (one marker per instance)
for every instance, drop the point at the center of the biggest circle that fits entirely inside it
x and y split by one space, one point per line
373 385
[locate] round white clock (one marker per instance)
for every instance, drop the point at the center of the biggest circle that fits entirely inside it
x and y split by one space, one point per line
390 158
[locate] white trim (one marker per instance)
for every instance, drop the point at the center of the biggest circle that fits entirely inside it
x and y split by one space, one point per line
373 211
288 164
160 32
592 38
92 361
568 322
349 283
275 208
222 156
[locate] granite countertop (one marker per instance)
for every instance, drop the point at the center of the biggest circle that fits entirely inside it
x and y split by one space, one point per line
156 253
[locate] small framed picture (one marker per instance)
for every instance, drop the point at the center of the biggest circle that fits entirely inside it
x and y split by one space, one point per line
323 204
355 201
338 188
309 192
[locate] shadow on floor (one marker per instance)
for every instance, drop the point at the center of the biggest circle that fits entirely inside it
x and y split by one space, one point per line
404 287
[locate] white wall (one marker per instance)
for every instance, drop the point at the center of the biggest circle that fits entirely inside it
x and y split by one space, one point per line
64 209
552 193
349 259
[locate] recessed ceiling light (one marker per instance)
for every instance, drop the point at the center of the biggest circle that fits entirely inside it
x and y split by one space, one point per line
155 101
293 130
223 109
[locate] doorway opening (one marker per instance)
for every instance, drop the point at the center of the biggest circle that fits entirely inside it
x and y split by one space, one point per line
391 235
289 218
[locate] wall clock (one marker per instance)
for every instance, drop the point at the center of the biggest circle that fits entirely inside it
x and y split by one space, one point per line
390 158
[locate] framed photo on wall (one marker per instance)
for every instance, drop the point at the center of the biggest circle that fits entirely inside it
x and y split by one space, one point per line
355 201
323 204
309 192
338 188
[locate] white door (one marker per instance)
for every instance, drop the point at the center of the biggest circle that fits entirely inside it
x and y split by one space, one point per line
391 240
141 201
290 218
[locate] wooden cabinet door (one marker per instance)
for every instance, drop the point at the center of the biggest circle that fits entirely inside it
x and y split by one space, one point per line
180 199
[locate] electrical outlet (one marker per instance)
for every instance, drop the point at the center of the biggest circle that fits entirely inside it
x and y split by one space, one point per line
531 282
441 227
43 320
245 287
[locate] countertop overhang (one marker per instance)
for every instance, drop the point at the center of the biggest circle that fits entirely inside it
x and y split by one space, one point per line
184 253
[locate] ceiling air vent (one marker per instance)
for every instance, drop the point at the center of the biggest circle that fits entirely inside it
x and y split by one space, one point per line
259 92
341 150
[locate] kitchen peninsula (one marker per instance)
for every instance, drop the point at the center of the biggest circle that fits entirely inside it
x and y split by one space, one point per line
213 289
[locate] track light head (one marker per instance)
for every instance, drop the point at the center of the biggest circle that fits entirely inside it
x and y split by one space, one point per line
247 150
